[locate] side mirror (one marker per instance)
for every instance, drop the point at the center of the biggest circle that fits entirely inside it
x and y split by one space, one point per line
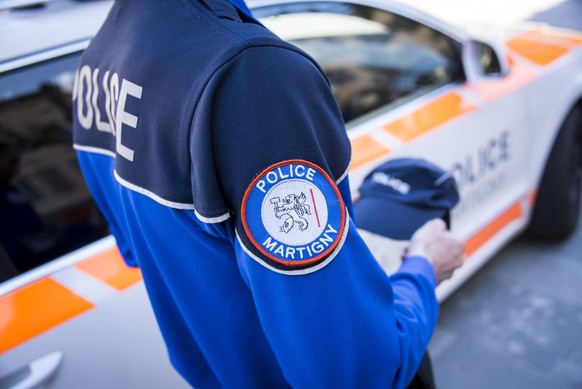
483 60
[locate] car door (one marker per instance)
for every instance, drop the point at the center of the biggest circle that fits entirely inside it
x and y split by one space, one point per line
72 314
405 88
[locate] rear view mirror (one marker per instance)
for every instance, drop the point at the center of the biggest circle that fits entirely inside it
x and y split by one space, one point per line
482 60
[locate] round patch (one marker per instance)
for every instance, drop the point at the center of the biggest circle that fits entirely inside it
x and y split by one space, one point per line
293 215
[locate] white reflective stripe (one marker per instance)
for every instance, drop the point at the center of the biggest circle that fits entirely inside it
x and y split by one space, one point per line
171 204
152 195
345 174
212 220
301 271
94 150
84 285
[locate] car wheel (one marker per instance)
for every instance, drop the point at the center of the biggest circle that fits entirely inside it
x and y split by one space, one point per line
557 206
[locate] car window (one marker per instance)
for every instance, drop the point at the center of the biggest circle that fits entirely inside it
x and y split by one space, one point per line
373 58
46 209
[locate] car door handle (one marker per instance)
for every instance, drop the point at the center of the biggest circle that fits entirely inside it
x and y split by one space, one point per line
34 374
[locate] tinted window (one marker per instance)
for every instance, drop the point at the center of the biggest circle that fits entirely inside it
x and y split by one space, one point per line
372 58
45 208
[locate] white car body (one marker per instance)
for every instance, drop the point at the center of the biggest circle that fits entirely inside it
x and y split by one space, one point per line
84 320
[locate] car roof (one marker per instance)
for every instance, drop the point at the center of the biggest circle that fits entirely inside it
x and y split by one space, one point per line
47 25
30 28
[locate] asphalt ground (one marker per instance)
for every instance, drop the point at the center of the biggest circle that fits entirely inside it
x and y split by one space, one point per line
518 322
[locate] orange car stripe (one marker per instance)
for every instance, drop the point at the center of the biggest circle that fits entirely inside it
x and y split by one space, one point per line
531 196
365 149
432 115
557 37
535 50
479 239
35 309
110 268
493 88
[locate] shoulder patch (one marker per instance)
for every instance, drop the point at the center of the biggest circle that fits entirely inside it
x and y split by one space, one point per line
294 217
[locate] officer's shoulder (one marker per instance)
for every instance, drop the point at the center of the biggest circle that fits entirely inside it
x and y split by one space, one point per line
256 37
262 50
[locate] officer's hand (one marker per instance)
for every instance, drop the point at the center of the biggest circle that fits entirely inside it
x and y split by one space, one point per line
444 251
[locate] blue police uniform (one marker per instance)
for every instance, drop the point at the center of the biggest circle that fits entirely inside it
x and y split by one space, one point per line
218 156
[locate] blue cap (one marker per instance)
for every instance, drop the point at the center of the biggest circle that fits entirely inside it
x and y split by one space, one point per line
400 195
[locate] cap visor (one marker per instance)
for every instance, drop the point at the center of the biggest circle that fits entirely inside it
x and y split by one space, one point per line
391 219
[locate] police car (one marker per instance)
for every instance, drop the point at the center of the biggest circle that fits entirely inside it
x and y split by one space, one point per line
502 114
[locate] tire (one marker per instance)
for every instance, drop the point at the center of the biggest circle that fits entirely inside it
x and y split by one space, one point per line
557 205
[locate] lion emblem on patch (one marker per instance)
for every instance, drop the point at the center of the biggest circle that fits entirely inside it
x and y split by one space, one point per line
292 210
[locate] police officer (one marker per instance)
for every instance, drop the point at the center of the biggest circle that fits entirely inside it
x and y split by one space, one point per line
218 156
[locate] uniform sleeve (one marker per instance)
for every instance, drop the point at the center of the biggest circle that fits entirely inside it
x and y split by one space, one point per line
281 153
